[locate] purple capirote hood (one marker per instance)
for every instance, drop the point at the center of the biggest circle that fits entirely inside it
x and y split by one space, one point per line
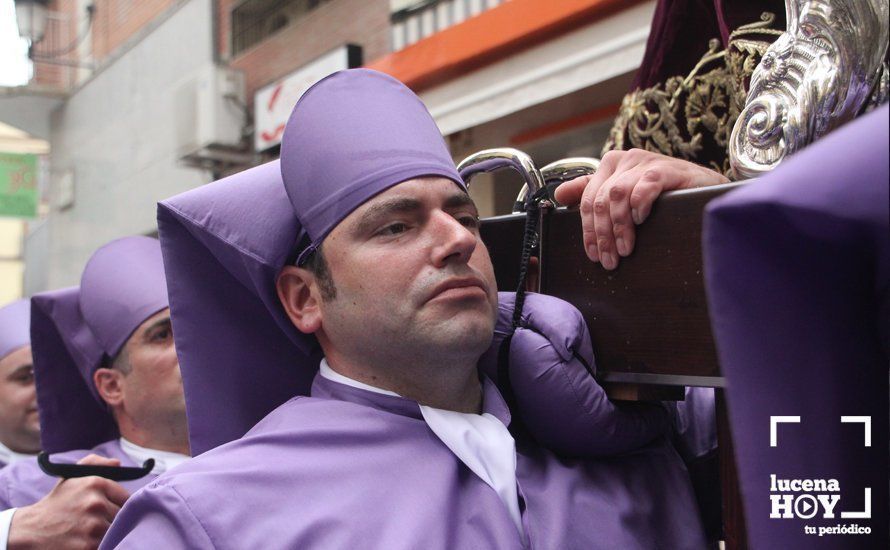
351 136
797 266
76 329
15 320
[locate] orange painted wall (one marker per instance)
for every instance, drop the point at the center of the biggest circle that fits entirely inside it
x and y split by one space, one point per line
491 36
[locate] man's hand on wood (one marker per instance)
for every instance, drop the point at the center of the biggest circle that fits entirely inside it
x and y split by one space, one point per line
620 195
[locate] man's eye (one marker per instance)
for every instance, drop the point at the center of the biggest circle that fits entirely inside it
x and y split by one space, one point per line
393 229
24 376
470 222
161 335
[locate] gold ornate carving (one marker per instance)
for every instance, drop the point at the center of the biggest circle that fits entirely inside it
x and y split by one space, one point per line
692 117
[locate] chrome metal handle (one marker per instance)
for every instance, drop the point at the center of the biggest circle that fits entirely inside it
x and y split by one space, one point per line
567 169
491 160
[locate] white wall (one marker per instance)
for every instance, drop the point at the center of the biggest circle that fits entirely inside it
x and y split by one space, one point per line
116 135
27 112
579 59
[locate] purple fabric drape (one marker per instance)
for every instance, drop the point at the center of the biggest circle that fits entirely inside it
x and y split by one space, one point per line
797 266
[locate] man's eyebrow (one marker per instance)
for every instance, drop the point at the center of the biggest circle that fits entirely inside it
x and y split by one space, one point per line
459 200
374 213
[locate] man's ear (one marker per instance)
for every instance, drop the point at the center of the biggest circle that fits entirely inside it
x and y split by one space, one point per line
299 294
109 384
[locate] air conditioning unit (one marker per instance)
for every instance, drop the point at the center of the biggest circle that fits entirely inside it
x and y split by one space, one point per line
210 118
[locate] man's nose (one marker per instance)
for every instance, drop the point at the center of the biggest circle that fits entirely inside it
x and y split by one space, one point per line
452 240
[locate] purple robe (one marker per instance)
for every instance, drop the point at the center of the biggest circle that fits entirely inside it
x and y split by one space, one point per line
695 423
797 266
4 463
349 468
24 483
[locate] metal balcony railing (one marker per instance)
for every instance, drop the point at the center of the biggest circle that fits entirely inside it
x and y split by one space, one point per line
57 56
424 18
255 20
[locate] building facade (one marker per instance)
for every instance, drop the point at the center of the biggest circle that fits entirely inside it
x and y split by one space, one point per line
149 99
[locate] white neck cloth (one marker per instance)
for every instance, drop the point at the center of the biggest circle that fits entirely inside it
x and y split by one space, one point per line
164 460
480 441
8 456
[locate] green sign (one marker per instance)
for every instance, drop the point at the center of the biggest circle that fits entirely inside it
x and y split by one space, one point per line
18 185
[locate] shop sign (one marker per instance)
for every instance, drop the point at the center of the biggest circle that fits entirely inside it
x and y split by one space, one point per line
274 103
18 185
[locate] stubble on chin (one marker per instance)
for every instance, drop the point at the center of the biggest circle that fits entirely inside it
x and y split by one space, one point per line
464 334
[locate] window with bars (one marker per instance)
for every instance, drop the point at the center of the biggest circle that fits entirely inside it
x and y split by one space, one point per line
414 20
255 20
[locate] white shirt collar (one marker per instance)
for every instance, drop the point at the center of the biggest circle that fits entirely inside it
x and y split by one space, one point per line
9 456
164 460
480 441
327 372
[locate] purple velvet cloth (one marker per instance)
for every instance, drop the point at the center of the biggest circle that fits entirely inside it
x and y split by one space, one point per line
695 423
552 372
348 468
798 277
681 30
352 135
24 483
15 322
75 330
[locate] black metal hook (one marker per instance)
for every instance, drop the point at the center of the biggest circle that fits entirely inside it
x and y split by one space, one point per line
114 473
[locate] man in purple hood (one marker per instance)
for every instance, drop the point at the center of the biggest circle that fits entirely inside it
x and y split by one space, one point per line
109 388
19 423
354 272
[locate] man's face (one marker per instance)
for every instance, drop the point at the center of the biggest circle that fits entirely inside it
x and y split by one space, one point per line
411 276
152 386
19 422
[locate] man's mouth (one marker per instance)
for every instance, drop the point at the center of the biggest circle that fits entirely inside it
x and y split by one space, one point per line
460 288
